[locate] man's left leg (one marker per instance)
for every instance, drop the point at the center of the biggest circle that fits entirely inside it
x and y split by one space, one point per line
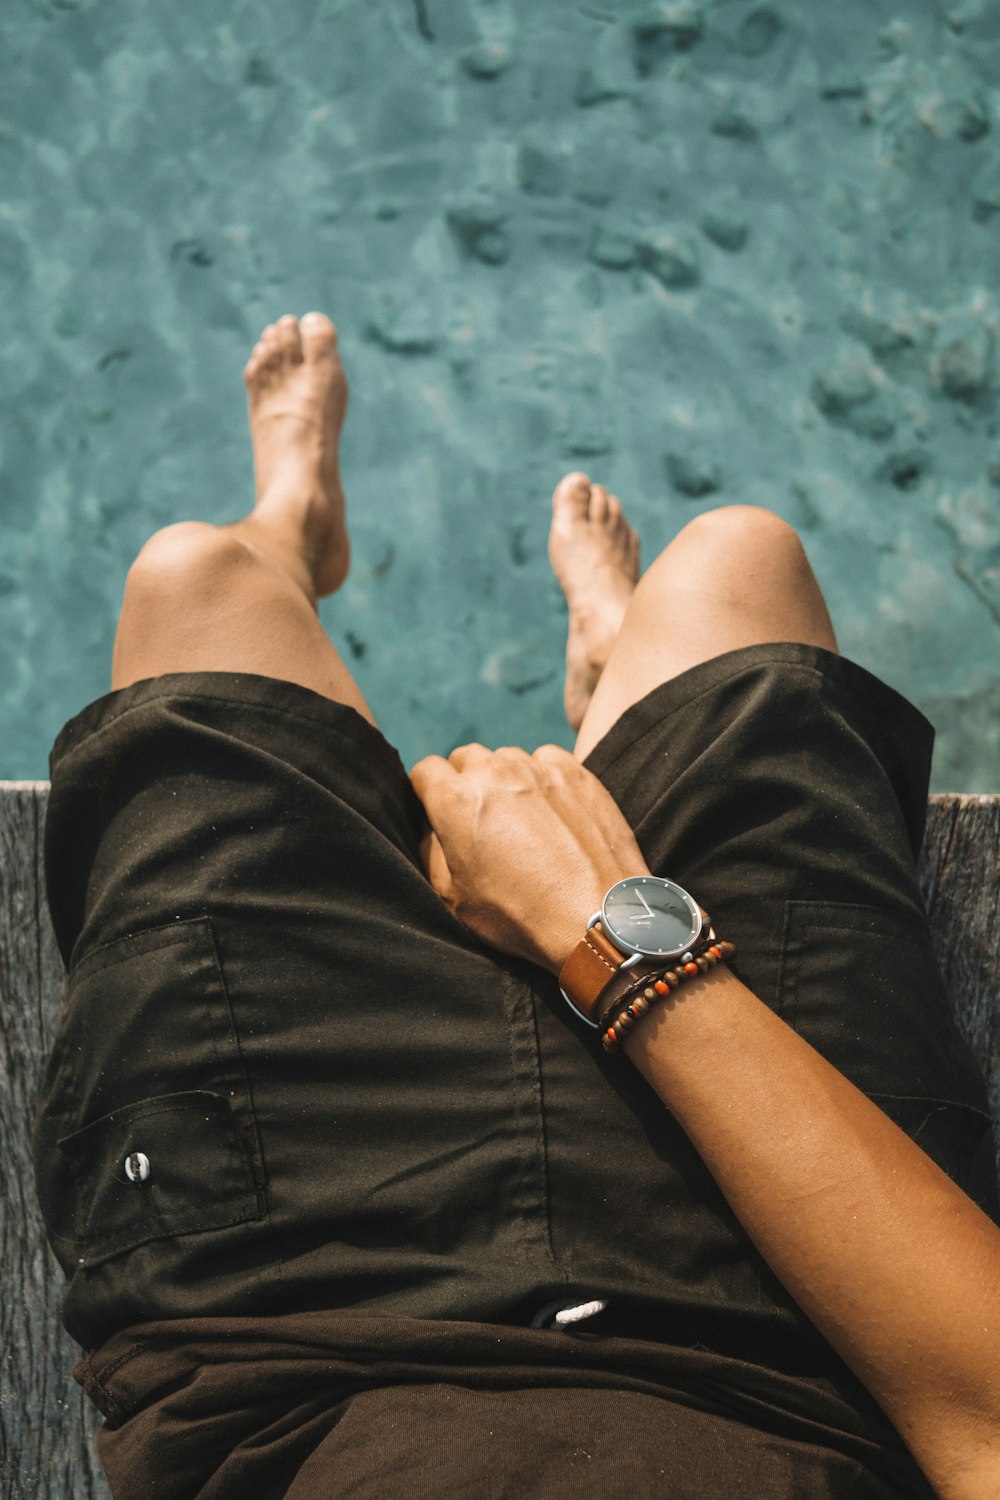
735 576
242 597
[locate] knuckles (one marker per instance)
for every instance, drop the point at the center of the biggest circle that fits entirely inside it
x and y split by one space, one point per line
553 753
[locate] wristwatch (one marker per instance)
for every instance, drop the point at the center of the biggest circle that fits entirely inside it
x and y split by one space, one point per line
643 917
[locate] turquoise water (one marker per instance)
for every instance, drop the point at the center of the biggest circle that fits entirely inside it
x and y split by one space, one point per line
707 251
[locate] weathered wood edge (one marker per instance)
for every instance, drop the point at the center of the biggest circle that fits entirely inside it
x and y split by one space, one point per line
959 872
46 1422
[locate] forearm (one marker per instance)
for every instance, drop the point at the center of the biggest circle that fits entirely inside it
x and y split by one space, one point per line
895 1265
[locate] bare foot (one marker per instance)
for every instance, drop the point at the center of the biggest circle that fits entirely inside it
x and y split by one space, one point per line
595 556
297 394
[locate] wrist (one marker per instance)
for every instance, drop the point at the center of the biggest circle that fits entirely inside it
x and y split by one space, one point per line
569 924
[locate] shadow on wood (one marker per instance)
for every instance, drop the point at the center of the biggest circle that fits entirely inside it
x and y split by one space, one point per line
45 1420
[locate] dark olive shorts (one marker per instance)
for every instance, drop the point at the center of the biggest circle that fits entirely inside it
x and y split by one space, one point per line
346 1102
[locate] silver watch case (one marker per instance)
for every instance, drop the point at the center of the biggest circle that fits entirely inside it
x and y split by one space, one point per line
636 882
699 927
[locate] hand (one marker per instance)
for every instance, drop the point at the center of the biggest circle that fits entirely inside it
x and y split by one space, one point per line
522 848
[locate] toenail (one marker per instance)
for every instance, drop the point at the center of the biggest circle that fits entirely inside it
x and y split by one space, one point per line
318 320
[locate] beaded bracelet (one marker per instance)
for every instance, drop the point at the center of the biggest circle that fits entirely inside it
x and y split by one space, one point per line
615 1006
656 989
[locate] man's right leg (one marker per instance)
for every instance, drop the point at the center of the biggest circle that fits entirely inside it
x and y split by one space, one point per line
242 598
732 577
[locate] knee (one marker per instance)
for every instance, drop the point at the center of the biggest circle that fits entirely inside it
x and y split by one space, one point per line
744 531
743 549
185 555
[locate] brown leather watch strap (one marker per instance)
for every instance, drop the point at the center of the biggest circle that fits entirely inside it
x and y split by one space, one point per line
590 968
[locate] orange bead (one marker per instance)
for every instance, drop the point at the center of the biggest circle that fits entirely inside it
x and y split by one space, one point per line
691 968
661 988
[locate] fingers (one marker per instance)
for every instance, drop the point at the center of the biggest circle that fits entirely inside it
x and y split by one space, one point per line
433 770
433 778
436 867
554 753
428 774
436 780
429 777
467 755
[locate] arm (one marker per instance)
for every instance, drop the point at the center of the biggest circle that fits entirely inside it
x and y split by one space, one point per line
894 1264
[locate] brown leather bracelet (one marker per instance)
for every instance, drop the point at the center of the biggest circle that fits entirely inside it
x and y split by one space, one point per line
644 997
615 997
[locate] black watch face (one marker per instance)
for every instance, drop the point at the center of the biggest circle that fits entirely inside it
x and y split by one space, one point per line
647 915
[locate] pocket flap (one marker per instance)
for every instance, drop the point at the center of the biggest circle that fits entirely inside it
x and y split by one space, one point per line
862 985
176 1164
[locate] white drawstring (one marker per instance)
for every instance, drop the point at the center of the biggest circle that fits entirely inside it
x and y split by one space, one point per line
565 1316
577 1314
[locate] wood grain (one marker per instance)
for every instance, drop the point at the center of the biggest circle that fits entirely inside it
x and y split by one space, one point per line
45 1420
960 882
46 1423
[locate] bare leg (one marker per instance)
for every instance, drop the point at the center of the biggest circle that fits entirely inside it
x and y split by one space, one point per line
732 577
242 597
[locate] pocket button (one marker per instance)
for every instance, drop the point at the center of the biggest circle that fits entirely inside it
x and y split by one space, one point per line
137 1167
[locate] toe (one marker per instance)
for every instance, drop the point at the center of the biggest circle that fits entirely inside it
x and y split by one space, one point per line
598 503
268 347
253 364
318 334
286 336
572 495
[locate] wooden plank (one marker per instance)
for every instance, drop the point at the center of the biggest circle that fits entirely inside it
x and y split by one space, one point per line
960 882
45 1419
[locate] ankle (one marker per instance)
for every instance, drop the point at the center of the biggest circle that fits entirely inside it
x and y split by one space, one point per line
593 630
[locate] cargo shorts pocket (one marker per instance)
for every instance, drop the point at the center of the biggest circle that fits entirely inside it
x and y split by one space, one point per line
862 985
167 1166
146 1063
